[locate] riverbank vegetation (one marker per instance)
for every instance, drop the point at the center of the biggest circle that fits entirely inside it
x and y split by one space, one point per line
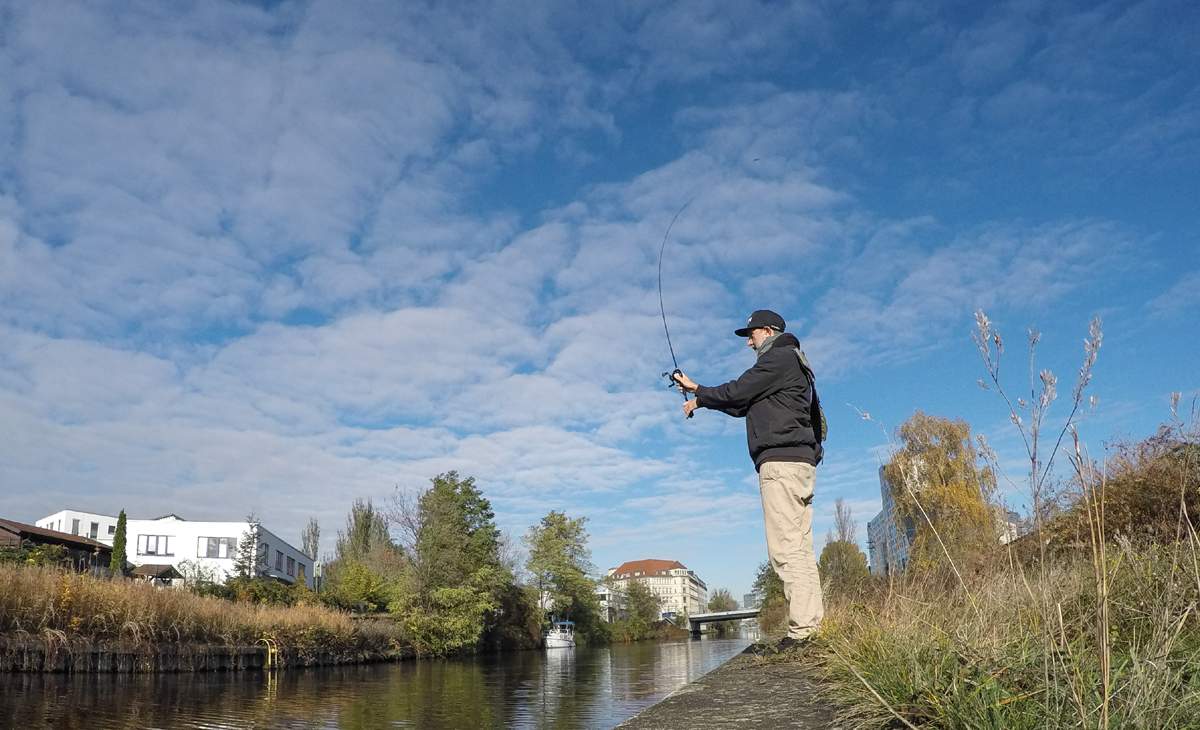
640 620
429 574
47 604
1083 616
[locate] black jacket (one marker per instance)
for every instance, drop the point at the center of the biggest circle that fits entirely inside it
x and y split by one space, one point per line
774 397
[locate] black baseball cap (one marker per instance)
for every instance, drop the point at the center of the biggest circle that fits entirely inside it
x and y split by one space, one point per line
761 318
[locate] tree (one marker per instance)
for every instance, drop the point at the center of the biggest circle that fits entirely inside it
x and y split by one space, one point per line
559 564
310 539
844 522
641 603
299 592
354 586
366 531
118 554
842 563
454 577
450 533
941 492
767 584
366 562
247 563
642 610
723 600
773 610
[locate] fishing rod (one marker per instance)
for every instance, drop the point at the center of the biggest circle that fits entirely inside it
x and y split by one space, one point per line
671 375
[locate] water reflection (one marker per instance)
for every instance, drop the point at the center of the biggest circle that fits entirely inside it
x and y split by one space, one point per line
565 688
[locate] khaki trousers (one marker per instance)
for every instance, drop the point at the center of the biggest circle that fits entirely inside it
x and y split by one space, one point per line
787 493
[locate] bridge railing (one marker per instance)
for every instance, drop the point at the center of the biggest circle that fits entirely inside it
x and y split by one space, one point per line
694 622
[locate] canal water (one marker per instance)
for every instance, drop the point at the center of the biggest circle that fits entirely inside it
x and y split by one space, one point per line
575 689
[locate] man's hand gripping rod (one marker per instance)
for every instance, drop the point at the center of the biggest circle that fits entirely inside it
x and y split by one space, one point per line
673 383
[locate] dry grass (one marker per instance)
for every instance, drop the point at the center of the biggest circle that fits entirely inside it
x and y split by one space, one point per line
936 660
50 604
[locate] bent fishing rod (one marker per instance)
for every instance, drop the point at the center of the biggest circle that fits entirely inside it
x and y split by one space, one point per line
671 375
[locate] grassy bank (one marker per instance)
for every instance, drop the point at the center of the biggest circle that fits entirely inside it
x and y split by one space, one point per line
49 605
1023 649
625 632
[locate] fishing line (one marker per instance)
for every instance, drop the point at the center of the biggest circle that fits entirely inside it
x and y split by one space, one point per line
661 308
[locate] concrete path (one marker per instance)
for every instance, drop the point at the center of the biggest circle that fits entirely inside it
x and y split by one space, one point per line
745 692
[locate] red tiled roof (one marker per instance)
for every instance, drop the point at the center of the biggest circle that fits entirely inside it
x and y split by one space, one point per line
648 566
21 528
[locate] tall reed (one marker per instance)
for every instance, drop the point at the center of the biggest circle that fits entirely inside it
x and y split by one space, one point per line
52 604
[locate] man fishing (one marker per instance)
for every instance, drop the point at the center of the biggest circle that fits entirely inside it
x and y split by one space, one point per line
777 397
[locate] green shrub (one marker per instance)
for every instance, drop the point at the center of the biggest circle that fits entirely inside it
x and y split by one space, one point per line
34 554
453 622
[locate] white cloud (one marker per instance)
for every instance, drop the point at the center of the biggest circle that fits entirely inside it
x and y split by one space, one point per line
1183 295
907 298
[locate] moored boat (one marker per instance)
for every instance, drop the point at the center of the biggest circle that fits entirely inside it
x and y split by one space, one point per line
561 635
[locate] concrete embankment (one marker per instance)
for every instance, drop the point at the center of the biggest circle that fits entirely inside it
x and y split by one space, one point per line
745 692
44 656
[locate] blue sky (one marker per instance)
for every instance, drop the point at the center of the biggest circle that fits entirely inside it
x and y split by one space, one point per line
276 256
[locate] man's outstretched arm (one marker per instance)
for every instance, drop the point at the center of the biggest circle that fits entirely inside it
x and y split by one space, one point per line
687 385
736 396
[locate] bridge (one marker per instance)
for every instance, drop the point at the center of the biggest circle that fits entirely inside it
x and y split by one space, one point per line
708 618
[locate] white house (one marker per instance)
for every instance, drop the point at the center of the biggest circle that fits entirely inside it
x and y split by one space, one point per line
679 590
171 540
612 604
85 524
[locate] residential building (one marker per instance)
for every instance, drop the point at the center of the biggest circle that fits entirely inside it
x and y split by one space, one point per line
211 547
612 604
679 590
750 600
84 552
101 528
888 541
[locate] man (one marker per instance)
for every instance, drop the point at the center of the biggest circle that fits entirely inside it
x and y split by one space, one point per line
776 398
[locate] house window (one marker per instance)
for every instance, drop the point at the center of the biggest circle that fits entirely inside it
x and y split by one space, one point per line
303 571
112 529
74 527
278 560
216 547
95 531
154 545
291 566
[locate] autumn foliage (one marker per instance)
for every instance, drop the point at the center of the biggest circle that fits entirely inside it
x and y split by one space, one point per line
941 494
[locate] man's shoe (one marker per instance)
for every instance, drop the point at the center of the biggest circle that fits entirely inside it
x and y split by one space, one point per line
788 643
760 649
